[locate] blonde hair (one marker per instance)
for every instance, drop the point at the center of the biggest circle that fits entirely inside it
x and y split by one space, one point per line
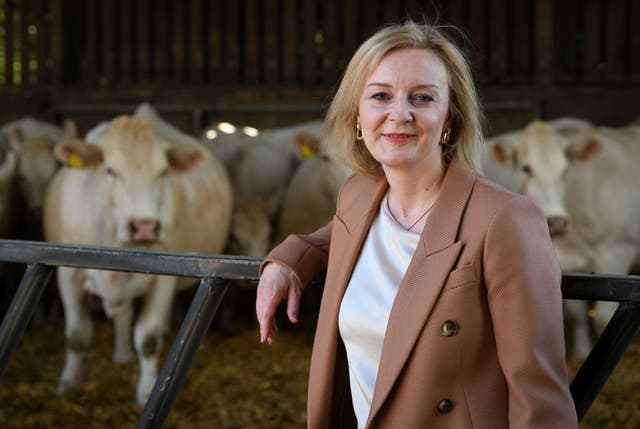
465 115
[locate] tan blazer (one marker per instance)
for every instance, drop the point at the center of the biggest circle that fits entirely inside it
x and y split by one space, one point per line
475 335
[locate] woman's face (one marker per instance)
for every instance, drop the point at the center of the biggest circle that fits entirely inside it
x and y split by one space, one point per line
403 109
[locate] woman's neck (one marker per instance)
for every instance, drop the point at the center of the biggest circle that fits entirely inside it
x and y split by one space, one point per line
412 193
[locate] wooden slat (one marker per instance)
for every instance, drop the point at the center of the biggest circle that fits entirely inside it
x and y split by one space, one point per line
369 20
91 41
251 63
178 41
634 43
565 45
272 23
8 42
593 36
500 36
412 10
232 56
330 70
57 34
309 26
455 12
215 30
478 35
162 48
125 40
522 45
108 43
25 46
196 65
142 18
391 11
544 41
350 22
616 39
290 42
44 33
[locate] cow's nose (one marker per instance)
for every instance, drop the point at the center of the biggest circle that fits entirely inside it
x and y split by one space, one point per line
557 225
144 230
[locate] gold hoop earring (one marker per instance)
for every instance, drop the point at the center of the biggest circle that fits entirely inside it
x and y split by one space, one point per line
445 136
359 135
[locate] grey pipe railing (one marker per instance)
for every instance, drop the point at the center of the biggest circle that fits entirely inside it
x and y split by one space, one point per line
215 271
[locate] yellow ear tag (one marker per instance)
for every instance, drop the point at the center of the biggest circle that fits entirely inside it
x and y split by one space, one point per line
75 161
306 151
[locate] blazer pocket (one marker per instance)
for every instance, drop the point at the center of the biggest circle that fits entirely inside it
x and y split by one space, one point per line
460 277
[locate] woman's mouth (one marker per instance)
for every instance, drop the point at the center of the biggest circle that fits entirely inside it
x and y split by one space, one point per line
398 137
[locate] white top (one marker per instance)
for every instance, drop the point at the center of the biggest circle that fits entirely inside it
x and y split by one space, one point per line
367 302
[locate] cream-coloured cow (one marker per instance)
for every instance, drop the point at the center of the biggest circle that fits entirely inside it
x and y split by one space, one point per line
585 182
131 188
33 141
310 198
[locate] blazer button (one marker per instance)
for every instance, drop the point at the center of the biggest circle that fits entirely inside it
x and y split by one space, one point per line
449 328
444 406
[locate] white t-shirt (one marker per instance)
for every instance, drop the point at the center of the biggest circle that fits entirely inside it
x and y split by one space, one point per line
367 302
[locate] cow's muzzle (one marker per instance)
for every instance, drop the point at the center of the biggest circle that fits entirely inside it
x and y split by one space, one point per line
557 225
144 230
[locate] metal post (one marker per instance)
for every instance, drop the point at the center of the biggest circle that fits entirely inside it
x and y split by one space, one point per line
175 367
22 307
605 355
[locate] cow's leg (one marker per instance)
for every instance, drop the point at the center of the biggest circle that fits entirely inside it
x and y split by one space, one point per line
150 327
78 325
576 313
614 258
122 328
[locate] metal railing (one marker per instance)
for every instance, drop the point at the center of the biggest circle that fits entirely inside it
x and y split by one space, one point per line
214 272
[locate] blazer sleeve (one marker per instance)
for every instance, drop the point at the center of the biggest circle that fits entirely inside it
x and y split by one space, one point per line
523 278
306 255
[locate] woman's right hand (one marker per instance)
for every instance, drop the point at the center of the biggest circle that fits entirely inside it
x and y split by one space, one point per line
276 283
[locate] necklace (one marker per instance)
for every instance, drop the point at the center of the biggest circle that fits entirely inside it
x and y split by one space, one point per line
417 220
420 217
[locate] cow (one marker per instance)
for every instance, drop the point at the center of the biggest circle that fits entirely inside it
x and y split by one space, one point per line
131 188
33 141
585 183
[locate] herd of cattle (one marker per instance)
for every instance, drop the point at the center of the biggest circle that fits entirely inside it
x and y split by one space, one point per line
137 181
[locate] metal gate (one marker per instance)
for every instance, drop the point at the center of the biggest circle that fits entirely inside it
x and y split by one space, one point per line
214 272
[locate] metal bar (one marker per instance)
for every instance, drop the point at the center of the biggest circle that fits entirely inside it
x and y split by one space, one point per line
175 367
134 260
601 287
605 355
22 307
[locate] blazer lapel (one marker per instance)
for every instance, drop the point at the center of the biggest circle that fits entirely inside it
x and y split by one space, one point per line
435 255
356 216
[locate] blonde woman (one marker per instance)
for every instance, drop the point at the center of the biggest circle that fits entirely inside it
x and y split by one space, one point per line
442 303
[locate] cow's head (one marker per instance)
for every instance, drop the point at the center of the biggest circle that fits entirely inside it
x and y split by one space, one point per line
138 170
542 157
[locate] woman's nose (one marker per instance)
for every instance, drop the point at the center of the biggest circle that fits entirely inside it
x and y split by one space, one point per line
400 111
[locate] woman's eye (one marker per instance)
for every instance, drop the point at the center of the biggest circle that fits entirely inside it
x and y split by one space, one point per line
423 98
380 96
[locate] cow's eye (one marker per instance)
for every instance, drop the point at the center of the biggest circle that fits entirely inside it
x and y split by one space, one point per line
164 172
111 172
527 170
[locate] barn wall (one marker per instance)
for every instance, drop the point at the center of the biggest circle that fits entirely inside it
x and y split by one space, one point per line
272 62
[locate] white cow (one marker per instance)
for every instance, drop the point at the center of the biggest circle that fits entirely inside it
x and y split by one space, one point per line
33 141
8 163
585 182
310 199
131 188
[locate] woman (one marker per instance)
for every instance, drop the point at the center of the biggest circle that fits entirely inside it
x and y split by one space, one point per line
442 304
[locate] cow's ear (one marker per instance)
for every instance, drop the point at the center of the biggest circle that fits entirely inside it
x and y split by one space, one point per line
584 150
187 156
76 153
15 139
69 127
502 152
306 144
